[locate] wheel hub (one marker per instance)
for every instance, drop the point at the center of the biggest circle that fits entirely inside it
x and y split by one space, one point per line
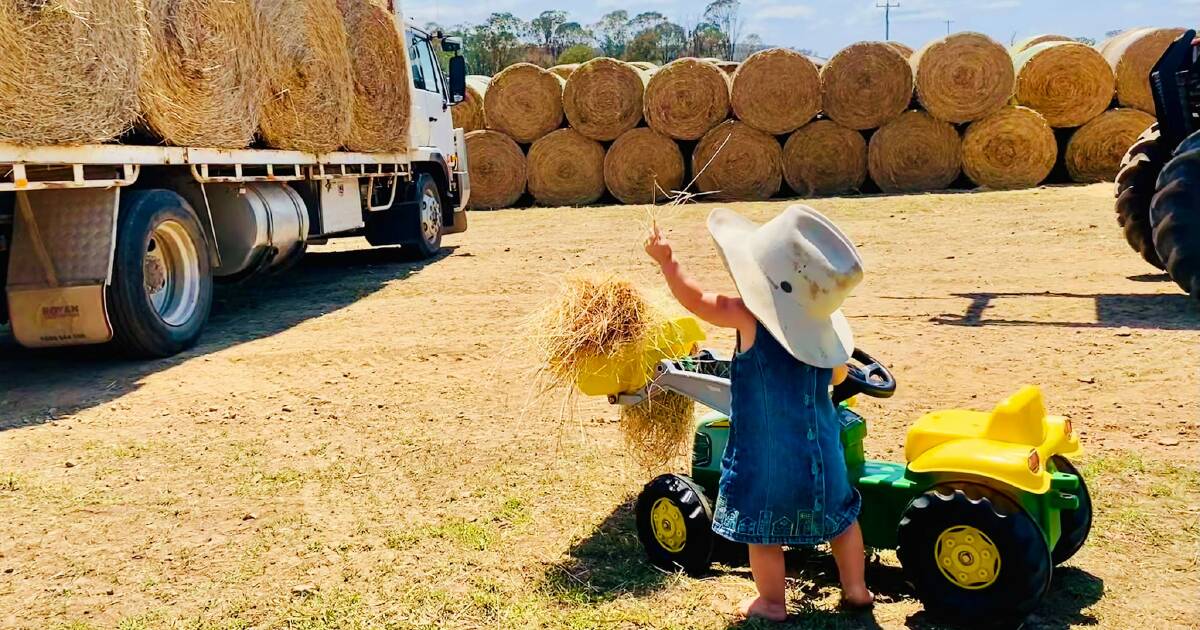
431 217
967 557
171 273
670 530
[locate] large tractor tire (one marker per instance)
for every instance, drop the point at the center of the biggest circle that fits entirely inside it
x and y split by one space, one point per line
674 524
1175 216
1135 189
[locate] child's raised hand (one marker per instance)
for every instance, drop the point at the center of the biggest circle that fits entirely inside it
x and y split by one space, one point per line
658 247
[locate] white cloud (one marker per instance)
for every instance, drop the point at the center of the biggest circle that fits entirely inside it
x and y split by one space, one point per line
783 12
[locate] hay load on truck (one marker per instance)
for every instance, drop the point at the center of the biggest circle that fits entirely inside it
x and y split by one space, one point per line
119 210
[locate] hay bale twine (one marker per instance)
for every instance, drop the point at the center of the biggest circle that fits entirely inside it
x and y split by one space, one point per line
963 77
1011 149
1029 42
686 98
825 158
1132 55
381 78
1068 83
866 84
644 65
564 70
69 70
643 166
903 49
468 114
729 67
496 166
776 90
524 101
311 82
603 98
1095 150
736 162
566 168
914 153
204 81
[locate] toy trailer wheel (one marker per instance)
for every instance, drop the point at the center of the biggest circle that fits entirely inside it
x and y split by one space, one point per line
674 524
1135 188
973 557
1075 524
1175 215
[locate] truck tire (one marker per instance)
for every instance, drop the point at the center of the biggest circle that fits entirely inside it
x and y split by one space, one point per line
1175 216
1135 188
423 229
161 292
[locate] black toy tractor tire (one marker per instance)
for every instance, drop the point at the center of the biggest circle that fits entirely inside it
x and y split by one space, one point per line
1075 524
693 552
1135 189
1020 574
1175 216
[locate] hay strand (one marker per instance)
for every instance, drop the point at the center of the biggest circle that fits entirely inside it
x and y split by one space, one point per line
1011 149
468 115
643 166
69 69
686 98
525 102
737 162
564 70
566 168
825 158
645 66
1029 42
1132 55
866 84
914 153
603 98
311 82
1066 82
1095 150
496 167
903 49
658 429
776 90
382 85
963 77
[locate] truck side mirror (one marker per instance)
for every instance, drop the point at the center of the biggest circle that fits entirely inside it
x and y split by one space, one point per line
451 44
458 79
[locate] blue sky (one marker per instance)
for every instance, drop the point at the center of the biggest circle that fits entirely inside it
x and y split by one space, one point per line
827 25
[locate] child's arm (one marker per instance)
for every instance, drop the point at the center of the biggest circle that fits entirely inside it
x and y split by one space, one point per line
719 310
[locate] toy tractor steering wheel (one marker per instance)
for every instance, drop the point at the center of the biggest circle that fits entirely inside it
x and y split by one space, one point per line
867 376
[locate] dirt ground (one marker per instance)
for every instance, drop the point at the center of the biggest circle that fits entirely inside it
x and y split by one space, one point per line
352 445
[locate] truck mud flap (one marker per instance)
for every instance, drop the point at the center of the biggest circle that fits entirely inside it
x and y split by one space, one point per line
386 227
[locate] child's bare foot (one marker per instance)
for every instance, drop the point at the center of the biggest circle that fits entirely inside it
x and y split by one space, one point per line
763 609
858 597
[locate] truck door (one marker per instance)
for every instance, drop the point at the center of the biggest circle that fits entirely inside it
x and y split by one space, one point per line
431 126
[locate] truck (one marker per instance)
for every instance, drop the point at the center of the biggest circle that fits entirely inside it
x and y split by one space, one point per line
122 244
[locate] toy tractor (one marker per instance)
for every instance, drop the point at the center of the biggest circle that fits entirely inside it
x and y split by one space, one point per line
1158 187
986 505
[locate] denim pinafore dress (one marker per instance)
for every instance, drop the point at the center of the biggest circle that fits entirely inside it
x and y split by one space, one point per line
783 475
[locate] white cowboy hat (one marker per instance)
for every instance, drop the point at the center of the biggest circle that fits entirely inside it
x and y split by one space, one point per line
793 273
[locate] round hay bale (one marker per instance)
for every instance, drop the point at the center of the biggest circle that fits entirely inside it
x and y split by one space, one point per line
1030 42
603 98
914 153
686 98
736 162
311 82
729 67
524 101
564 70
866 84
496 166
381 78
69 70
566 168
1068 83
1095 150
1010 149
963 77
776 91
825 158
643 166
644 65
468 114
903 49
1132 55
204 81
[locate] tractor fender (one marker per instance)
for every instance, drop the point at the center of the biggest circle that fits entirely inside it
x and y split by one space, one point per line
999 461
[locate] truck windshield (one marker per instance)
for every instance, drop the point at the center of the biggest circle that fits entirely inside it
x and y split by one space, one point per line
424 74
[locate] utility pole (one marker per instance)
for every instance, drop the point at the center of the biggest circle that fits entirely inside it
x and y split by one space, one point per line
948 23
887 7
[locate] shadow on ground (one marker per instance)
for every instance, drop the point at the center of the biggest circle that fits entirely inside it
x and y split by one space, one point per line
1133 310
39 385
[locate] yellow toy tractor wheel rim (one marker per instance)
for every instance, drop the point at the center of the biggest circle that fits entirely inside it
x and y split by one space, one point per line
967 557
670 530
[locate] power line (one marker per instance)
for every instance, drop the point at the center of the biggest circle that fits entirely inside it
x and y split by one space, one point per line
948 23
887 7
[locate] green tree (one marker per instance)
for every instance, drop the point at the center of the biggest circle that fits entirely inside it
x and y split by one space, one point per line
545 30
578 53
494 44
724 14
612 32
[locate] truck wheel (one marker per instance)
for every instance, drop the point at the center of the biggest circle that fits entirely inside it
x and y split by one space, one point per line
1135 189
674 524
1075 524
973 558
423 229
1175 215
161 292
